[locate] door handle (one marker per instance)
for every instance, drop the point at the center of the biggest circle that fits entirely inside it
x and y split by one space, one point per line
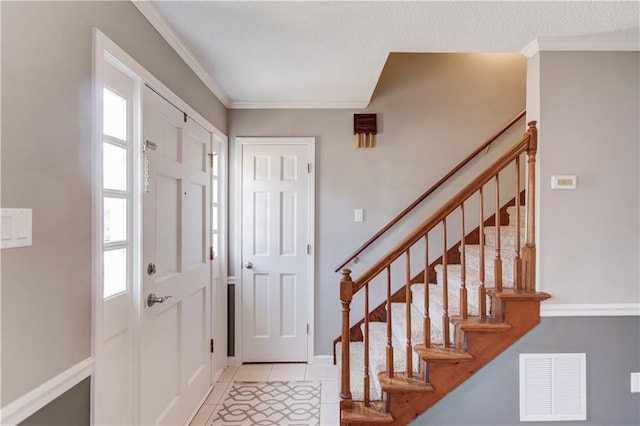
153 299
249 265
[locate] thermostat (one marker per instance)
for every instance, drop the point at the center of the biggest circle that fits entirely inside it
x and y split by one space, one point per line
564 182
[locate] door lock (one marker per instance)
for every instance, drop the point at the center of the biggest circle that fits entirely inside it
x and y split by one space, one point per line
249 265
151 269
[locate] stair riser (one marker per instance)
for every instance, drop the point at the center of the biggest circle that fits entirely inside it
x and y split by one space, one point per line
511 211
507 237
472 261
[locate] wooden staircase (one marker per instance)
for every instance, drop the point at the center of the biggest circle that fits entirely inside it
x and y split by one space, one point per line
467 305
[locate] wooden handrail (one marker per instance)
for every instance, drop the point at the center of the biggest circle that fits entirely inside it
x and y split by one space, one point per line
445 210
429 191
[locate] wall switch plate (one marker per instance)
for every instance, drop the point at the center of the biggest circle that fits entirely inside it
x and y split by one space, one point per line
358 215
564 182
635 382
16 228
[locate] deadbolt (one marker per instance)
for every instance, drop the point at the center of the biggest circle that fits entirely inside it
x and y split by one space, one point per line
151 269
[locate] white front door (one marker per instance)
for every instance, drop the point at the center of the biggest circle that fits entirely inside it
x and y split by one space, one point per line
277 235
175 331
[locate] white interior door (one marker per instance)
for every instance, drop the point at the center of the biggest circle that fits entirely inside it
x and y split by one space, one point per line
175 356
277 233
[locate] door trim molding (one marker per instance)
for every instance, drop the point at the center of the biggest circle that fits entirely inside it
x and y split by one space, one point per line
240 141
22 408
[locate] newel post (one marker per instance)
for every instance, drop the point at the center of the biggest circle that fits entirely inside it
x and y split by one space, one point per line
529 250
346 294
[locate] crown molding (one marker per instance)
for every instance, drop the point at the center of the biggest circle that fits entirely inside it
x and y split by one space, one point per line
299 105
573 44
152 15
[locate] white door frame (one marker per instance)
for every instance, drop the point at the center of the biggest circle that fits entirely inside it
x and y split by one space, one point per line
240 142
223 244
104 47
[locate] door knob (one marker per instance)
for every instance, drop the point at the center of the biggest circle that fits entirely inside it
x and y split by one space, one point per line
249 265
153 299
151 269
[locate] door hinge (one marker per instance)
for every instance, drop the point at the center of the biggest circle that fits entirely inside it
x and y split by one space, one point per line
308 248
307 328
211 253
211 345
185 117
308 167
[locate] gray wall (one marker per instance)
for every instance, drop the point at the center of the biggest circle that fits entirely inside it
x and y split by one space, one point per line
46 166
433 109
69 409
589 238
612 347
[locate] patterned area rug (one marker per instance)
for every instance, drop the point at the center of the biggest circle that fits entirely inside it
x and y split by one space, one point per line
270 403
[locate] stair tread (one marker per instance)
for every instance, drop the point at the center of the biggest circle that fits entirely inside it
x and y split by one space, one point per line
512 294
400 382
436 353
480 324
358 413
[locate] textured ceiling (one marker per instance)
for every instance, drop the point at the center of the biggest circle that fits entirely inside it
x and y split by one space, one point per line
330 54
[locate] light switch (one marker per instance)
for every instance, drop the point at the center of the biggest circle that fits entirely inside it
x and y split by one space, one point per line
7 228
635 382
16 228
358 215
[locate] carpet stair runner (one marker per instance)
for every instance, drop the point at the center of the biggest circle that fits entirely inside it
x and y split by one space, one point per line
379 383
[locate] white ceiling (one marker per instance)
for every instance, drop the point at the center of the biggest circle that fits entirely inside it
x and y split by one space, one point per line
330 54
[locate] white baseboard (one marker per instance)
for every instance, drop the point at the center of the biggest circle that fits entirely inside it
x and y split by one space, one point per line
590 310
23 407
323 359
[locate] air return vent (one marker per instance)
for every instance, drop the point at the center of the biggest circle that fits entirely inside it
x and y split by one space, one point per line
553 387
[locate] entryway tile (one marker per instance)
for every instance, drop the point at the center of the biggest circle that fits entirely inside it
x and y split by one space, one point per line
287 373
321 372
329 393
203 416
218 392
253 373
329 414
228 373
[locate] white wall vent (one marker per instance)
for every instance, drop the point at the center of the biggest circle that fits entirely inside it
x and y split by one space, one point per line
553 387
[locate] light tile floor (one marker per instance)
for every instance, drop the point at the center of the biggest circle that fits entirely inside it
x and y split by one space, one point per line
327 375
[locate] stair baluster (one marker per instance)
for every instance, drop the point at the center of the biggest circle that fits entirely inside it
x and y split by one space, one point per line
482 291
367 380
445 287
408 311
497 269
389 329
463 266
426 322
517 261
529 252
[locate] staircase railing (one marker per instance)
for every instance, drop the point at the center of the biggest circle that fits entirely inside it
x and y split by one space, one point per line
431 190
523 265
